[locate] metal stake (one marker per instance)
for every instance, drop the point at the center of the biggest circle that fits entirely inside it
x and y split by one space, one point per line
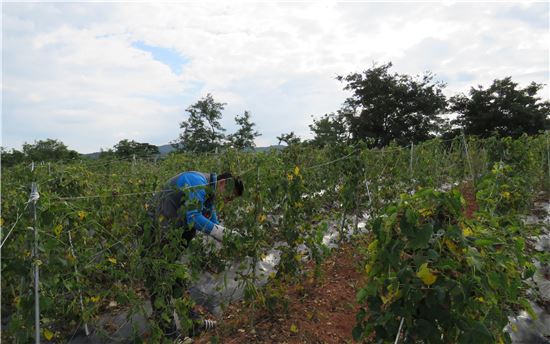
34 198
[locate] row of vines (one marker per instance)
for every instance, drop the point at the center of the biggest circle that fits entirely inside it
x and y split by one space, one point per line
433 272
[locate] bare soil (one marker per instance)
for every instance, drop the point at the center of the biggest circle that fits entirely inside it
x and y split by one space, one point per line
319 311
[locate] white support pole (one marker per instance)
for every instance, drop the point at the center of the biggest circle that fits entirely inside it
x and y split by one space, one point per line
399 331
548 152
34 198
86 330
411 160
468 158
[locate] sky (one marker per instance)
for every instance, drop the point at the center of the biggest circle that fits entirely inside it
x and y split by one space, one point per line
92 74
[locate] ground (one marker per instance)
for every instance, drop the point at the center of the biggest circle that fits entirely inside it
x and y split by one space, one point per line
319 311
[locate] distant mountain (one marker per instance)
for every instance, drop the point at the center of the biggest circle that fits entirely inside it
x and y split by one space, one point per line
165 149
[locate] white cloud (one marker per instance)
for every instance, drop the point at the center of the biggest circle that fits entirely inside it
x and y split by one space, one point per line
70 71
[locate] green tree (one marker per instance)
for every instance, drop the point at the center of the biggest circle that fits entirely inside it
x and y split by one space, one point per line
244 137
11 158
126 149
289 139
106 153
503 109
329 129
202 132
385 107
48 150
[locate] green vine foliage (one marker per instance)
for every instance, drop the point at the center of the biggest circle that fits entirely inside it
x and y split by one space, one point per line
92 223
452 280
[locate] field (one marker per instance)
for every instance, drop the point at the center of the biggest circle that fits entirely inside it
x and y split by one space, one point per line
444 254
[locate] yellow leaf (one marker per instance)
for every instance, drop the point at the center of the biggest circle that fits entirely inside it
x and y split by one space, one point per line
514 327
368 268
505 195
289 177
94 298
70 257
296 171
48 334
81 215
480 299
452 246
112 260
1 221
391 296
16 301
262 218
372 246
57 230
426 212
426 275
293 328
467 231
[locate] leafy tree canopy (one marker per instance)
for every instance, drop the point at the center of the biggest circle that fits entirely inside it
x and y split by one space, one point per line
289 139
41 150
12 157
385 106
126 148
244 136
329 129
202 131
48 150
503 109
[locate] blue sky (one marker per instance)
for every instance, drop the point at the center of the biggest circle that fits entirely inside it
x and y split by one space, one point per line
91 74
169 57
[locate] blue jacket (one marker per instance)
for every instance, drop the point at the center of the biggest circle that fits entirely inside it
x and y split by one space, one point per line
192 191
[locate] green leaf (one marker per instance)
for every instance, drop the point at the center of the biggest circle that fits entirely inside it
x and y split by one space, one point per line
421 237
361 295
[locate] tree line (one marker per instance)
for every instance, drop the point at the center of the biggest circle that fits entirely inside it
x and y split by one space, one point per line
383 107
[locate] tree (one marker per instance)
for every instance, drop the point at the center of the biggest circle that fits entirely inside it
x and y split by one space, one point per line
289 139
503 109
127 149
329 129
12 157
244 136
48 150
202 132
386 107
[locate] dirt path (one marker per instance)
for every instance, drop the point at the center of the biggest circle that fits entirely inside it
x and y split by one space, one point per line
318 312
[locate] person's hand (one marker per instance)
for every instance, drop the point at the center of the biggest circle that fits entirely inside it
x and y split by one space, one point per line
219 231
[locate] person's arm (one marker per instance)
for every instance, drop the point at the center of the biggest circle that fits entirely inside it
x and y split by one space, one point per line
213 216
201 222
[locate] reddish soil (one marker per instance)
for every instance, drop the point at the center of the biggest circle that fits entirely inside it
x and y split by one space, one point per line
321 311
468 192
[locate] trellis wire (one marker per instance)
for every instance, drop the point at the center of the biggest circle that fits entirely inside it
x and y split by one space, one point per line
13 226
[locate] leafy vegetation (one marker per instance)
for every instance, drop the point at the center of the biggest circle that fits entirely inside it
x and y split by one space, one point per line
91 218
